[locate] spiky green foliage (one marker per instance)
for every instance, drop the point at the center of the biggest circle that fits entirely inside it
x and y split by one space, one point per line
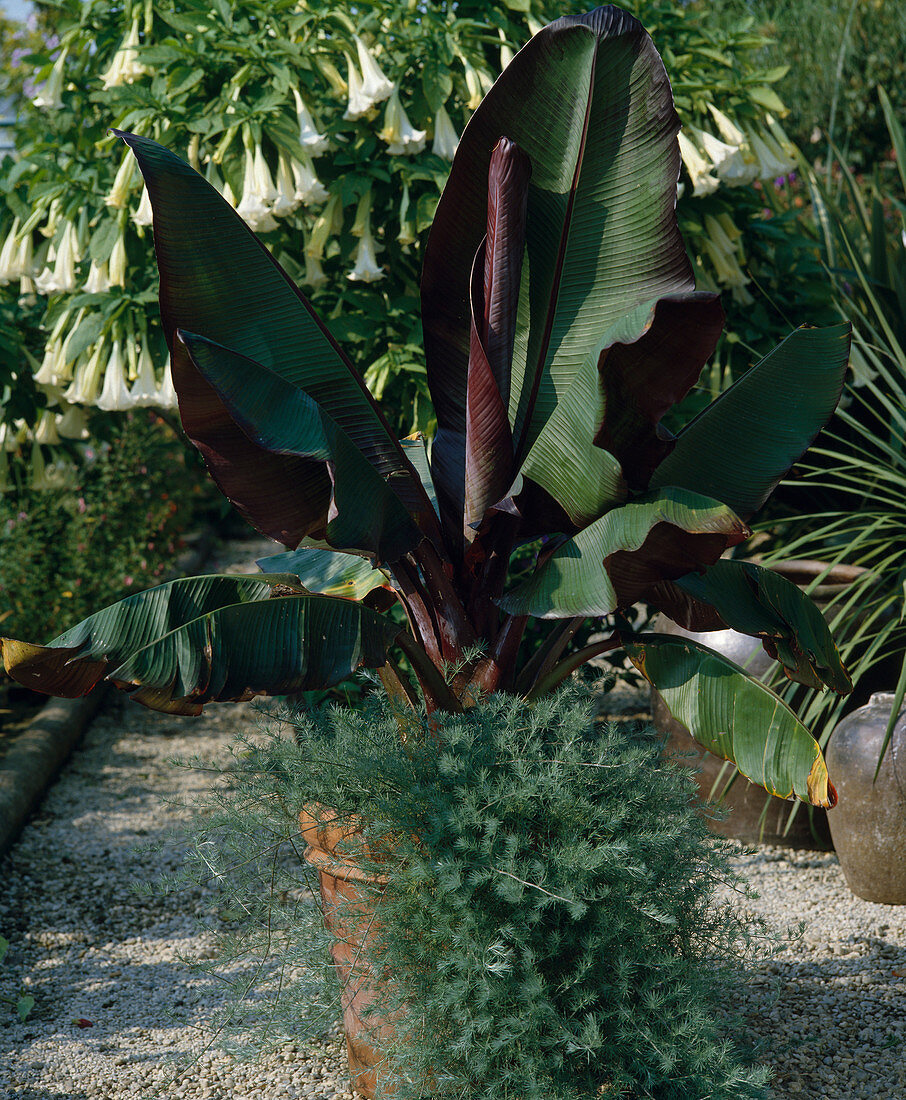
549 929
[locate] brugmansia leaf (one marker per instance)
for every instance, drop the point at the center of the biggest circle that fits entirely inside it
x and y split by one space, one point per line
740 447
734 716
218 280
283 646
327 572
760 602
613 561
364 512
588 100
74 662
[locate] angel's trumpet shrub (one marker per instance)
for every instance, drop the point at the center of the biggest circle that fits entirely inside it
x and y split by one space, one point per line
561 323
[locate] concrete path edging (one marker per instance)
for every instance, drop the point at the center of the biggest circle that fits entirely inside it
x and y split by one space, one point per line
36 755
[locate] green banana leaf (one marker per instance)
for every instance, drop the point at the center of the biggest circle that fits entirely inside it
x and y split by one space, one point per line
734 716
278 647
760 602
604 431
742 444
588 100
327 572
613 561
365 513
71 664
218 280
415 448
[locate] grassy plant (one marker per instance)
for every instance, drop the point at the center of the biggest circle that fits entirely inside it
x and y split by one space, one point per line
856 477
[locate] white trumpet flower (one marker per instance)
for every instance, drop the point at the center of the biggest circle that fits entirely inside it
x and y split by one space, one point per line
327 223
287 200
50 95
144 392
314 273
9 436
716 151
125 67
213 177
727 129
732 162
144 215
51 364
117 263
63 371
718 235
703 183
309 138
98 281
73 424
478 83
777 132
359 104
506 54
407 233
367 269
446 139
86 378
123 183
115 397
28 295
375 86
308 188
46 431
49 228
25 257
264 183
166 398
399 133
769 158
254 206
61 278
9 256
37 477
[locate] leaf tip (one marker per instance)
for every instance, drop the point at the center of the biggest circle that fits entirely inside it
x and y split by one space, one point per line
821 792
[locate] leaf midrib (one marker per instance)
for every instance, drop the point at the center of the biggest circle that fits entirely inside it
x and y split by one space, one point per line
520 449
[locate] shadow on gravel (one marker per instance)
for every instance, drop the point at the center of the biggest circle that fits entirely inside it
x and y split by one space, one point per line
787 1006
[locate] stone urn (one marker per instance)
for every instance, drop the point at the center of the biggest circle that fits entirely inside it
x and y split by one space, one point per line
868 824
753 816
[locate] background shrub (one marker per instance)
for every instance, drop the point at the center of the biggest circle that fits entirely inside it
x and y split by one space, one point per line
65 552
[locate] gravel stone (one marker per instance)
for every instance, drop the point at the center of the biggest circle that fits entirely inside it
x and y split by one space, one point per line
829 1007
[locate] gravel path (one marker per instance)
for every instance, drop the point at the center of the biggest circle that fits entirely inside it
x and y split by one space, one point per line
831 1007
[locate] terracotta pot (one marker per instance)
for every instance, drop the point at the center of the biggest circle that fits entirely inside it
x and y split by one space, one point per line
349 899
869 822
753 815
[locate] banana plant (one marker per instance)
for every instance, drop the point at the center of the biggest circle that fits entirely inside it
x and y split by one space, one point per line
561 323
